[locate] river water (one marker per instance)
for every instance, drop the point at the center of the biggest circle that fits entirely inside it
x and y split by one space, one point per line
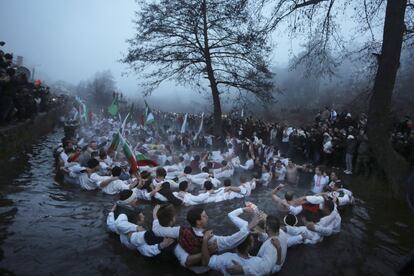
47 228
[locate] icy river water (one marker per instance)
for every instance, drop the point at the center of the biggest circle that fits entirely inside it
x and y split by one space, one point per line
51 229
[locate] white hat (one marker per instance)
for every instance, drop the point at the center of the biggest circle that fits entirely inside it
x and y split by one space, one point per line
350 137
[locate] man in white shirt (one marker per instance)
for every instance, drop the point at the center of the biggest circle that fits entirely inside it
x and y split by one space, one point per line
245 188
89 178
249 164
174 171
164 194
63 156
128 225
306 236
199 178
227 192
330 223
188 198
117 185
160 174
190 238
223 261
320 180
280 171
272 259
344 196
226 171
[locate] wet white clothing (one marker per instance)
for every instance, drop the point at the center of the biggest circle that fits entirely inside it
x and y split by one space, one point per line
224 172
319 182
115 187
247 187
312 237
248 165
268 254
90 182
64 157
190 199
223 242
221 195
295 210
330 224
344 196
142 194
138 240
122 227
316 199
265 178
223 261
173 184
280 173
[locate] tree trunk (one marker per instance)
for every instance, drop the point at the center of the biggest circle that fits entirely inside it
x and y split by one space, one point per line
210 74
394 166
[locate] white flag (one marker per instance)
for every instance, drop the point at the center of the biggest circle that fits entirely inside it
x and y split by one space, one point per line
124 123
201 127
184 123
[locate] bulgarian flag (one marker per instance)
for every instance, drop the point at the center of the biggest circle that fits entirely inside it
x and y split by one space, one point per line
114 143
143 160
129 155
149 117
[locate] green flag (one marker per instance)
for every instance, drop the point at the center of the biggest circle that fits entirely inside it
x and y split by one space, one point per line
115 142
114 107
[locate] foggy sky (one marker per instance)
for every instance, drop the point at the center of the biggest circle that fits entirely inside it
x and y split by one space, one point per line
70 40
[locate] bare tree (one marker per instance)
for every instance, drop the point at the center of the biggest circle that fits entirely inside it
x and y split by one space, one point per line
192 41
379 124
98 89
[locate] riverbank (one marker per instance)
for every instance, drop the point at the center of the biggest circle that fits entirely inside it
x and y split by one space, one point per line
19 137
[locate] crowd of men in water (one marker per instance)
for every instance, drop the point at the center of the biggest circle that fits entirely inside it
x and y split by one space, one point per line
188 168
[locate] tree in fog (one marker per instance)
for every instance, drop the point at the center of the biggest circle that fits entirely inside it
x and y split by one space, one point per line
101 88
219 43
98 90
320 20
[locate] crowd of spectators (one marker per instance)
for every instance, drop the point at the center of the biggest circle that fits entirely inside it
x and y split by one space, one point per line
334 139
20 99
